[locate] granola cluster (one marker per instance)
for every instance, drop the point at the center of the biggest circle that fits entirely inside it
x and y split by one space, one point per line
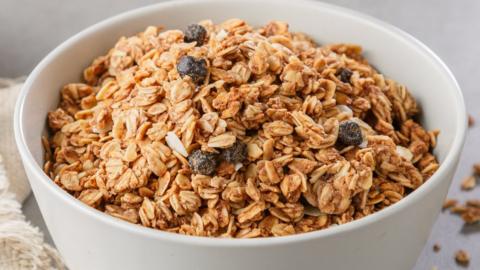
226 130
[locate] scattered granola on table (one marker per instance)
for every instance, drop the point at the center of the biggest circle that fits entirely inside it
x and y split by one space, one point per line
469 212
449 203
469 183
233 131
471 120
476 169
462 258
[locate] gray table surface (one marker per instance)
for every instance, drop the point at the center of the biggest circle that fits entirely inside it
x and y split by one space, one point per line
30 28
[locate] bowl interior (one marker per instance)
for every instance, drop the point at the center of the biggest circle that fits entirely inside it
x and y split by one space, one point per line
394 53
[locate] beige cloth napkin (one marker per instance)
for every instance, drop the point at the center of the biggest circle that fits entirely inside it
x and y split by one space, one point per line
21 244
9 90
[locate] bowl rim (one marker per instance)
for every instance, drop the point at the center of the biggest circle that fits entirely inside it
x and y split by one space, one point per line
36 171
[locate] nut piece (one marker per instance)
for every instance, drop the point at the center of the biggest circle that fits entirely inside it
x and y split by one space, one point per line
203 162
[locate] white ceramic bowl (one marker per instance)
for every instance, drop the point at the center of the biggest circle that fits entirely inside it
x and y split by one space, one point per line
389 239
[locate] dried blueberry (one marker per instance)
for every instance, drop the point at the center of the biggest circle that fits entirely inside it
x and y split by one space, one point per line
193 67
349 133
251 132
344 74
236 153
195 32
203 162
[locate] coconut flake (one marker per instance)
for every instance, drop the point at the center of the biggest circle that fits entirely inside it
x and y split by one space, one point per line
238 166
221 35
404 152
345 109
364 143
175 143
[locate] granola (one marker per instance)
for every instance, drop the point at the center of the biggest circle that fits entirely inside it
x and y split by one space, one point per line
227 130
462 257
469 183
469 212
449 203
471 121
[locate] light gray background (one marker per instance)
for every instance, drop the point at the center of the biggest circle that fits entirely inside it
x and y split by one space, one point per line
29 29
